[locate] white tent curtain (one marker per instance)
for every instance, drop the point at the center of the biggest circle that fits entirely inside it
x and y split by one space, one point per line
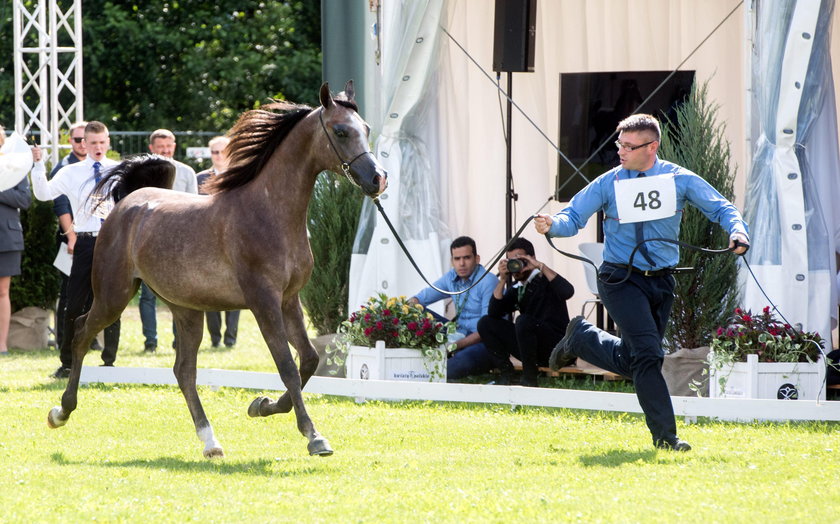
407 149
792 188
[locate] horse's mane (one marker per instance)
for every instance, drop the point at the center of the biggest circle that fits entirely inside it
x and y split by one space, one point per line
254 138
133 173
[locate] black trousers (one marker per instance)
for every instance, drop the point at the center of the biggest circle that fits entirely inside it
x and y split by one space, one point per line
528 339
79 299
641 307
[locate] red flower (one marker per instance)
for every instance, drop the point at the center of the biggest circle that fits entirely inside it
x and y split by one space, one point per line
420 333
766 310
367 317
379 325
737 311
395 321
386 312
412 326
368 331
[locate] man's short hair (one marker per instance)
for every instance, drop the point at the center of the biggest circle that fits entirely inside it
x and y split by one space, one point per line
523 244
95 127
161 133
75 126
640 122
461 242
217 139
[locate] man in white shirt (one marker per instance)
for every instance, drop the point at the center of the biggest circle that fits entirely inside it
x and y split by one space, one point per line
162 142
76 182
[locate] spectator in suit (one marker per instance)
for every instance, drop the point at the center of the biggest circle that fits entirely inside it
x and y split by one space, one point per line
219 158
162 142
11 246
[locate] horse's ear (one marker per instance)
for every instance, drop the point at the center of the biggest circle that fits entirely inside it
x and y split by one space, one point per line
326 96
349 91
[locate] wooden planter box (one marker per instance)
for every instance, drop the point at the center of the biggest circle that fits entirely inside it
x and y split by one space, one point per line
381 363
770 380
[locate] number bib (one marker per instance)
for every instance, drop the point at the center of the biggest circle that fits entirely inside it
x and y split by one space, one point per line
646 198
101 206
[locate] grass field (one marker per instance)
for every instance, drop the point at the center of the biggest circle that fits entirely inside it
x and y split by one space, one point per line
130 454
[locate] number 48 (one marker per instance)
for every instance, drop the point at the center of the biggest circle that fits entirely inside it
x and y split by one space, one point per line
652 201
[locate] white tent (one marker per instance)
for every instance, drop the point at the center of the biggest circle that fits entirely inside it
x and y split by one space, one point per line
443 143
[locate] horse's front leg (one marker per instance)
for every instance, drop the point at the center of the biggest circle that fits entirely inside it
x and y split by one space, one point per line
190 326
268 311
296 329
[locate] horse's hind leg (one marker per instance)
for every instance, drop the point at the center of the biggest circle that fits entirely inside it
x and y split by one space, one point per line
100 316
266 308
296 329
190 325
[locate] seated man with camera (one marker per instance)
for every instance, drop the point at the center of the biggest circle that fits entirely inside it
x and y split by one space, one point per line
539 294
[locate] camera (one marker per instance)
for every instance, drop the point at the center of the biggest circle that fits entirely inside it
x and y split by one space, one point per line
515 265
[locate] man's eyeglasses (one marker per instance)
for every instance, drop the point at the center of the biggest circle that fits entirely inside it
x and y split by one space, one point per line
627 147
78 139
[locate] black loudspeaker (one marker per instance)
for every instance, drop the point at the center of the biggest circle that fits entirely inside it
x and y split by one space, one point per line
515 36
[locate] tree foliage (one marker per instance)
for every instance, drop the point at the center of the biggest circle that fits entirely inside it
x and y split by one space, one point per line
187 64
332 221
705 298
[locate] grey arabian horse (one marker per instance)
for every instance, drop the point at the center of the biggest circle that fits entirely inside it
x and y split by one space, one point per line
253 249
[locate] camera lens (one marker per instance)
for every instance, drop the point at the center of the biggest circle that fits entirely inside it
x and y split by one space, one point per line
515 265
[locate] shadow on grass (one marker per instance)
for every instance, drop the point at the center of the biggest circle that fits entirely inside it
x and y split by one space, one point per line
261 467
618 457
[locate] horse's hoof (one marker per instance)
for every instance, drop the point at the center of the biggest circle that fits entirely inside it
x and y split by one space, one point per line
319 446
54 419
254 408
212 453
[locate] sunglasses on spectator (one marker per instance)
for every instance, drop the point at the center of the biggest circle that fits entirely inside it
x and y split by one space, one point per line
78 139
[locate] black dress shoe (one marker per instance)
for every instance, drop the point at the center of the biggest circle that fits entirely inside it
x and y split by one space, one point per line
563 350
61 372
674 445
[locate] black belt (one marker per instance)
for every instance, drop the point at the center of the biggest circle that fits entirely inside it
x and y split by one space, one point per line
87 234
654 272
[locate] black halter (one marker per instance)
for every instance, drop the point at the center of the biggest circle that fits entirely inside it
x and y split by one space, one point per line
345 166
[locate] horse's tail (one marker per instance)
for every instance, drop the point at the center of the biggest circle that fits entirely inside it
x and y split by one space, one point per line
133 173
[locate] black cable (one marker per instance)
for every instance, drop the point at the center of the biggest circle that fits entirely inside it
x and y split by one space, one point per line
417 268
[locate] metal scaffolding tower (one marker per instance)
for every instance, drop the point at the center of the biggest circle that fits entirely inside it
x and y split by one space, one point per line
48 68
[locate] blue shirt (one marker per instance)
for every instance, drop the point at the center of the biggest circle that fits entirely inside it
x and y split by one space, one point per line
620 239
469 306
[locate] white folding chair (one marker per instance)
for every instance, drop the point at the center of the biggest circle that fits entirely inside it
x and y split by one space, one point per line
594 251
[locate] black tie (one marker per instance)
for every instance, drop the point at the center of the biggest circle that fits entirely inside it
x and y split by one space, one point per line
640 237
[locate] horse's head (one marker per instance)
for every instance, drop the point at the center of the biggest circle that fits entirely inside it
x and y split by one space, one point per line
348 134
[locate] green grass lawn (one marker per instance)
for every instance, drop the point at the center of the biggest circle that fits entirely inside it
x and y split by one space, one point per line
129 453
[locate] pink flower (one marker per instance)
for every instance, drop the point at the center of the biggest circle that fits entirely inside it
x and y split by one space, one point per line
720 331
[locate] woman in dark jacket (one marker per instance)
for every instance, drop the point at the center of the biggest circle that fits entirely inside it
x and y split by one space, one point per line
11 245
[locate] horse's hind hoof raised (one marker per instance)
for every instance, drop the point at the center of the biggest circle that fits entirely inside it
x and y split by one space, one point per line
254 408
319 446
54 419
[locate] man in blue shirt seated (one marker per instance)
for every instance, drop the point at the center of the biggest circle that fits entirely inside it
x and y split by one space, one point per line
642 198
470 357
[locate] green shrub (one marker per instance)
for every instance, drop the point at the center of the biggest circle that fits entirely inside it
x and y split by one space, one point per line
332 221
38 283
706 297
